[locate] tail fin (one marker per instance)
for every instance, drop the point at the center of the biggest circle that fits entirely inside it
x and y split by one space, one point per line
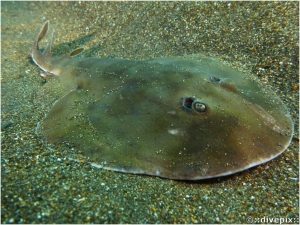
43 60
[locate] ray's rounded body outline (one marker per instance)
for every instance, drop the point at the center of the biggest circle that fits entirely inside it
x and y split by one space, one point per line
184 115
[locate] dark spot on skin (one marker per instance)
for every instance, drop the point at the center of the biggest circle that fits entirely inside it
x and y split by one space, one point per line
225 83
215 79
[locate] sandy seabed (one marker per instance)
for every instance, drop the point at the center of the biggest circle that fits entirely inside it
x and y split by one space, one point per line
41 185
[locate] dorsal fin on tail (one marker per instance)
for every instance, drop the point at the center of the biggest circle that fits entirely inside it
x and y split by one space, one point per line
43 31
76 52
47 51
44 59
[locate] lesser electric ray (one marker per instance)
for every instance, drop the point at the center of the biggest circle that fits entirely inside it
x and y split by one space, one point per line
187 117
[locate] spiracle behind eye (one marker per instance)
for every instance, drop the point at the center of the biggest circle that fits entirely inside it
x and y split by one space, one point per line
188 102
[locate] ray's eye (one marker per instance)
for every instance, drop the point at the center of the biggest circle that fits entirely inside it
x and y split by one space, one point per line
199 106
191 103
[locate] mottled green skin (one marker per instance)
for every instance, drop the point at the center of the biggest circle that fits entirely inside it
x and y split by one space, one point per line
122 114
129 116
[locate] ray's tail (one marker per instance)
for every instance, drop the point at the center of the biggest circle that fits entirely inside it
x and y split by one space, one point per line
44 59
